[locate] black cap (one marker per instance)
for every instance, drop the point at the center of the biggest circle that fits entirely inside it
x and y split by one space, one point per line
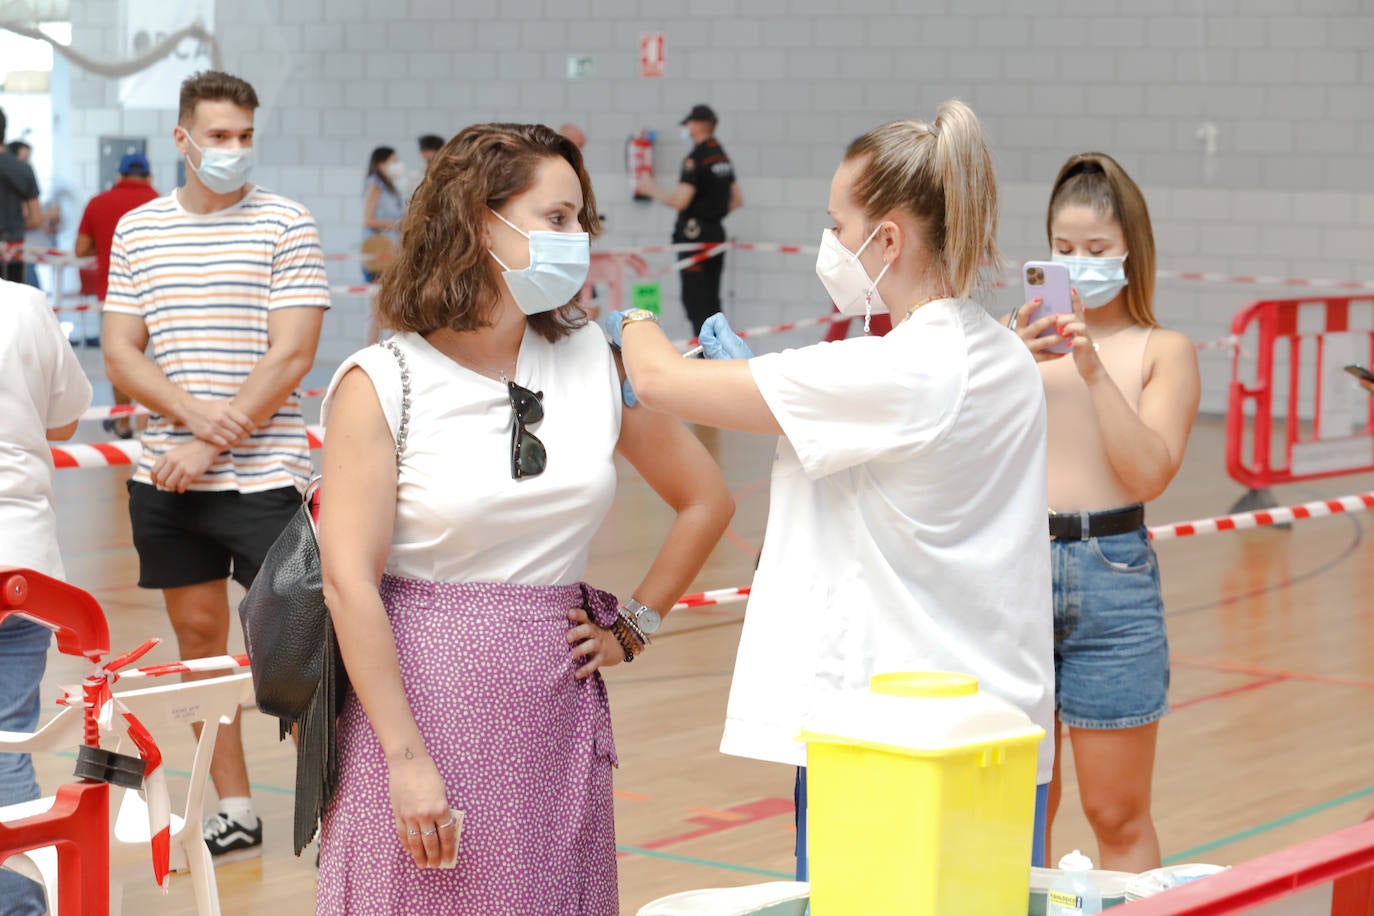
700 113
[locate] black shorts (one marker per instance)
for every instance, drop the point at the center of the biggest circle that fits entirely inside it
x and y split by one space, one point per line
189 538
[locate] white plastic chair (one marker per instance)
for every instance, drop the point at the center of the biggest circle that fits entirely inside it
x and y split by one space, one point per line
162 709
776 898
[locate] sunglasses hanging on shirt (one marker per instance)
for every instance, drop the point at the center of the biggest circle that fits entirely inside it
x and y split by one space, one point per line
527 455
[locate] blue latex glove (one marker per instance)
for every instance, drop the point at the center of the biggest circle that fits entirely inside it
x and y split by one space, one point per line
612 323
719 341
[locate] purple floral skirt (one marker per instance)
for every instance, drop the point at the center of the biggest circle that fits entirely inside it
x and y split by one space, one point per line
524 748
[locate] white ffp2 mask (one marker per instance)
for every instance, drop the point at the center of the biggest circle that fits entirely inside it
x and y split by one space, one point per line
845 279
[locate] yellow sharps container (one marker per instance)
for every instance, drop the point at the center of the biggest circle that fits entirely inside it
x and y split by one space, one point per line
920 800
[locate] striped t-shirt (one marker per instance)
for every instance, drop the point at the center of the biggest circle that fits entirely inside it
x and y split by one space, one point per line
204 283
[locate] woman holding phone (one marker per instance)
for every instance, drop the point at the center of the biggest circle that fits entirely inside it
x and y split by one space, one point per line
906 528
1122 400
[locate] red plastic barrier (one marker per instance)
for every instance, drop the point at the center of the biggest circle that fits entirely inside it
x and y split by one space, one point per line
1308 451
78 823
1344 859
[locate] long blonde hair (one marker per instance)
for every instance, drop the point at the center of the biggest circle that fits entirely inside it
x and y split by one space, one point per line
1097 181
941 173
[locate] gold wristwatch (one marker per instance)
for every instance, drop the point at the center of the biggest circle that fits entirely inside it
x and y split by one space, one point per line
637 315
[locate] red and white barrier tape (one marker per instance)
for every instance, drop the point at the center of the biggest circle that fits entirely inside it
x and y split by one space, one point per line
212 663
32 254
138 410
125 452
1278 516
96 696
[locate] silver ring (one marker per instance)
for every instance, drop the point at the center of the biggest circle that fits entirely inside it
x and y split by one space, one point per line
429 832
412 833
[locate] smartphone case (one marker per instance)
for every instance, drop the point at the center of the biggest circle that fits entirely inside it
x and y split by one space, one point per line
1049 281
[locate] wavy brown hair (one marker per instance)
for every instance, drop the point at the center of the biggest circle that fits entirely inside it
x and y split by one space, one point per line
443 276
1097 181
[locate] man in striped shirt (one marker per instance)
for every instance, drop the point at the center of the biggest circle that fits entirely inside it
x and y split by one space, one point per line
226 282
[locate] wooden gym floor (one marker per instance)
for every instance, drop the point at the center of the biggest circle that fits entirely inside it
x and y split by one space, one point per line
1269 744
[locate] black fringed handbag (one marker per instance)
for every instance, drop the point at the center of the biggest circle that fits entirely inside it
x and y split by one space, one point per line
298 673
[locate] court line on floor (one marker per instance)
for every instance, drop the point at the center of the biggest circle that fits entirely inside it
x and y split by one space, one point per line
1260 670
705 863
1228 692
1285 583
1260 829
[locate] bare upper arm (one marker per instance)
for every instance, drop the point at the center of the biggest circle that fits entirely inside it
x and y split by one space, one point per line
84 247
124 331
63 433
1171 391
358 504
371 197
736 196
670 459
295 330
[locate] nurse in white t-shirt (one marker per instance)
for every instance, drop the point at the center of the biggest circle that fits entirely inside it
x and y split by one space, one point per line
907 517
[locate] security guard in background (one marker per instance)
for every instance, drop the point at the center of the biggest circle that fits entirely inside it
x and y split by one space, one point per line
705 193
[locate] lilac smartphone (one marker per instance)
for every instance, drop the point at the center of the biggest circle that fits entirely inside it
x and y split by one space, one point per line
1049 281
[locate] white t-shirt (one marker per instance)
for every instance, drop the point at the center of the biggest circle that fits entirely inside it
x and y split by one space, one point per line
42 387
906 528
460 517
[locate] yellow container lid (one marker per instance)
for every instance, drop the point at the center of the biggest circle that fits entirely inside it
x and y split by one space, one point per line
920 714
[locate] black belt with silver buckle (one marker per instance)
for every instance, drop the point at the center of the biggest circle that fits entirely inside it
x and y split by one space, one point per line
1079 526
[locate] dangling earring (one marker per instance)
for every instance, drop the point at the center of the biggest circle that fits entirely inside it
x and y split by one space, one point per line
868 309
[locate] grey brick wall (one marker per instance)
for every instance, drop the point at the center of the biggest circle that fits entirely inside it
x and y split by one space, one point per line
1289 85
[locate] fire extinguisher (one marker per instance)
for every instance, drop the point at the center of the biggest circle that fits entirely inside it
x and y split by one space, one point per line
639 160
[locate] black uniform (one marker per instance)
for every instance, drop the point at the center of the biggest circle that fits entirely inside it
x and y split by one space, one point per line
17 187
707 169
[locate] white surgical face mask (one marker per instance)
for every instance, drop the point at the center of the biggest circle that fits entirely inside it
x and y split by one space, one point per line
559 262
396 171
223 171
1098 280
687 136
846 280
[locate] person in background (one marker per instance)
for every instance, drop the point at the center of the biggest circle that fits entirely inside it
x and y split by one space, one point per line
43 235
226 281
575 134
383 209
43 393
906 521
95 235
706 191
1120 410
430 144
19 208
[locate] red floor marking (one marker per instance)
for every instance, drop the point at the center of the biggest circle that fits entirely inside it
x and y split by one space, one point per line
1216 665
715 822
739 495
1243 688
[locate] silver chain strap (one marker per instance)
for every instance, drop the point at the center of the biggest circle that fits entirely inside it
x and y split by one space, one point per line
405 399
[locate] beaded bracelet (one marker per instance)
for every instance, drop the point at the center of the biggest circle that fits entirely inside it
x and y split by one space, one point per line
622 636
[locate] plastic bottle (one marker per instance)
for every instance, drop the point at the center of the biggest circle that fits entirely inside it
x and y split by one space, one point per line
1072 893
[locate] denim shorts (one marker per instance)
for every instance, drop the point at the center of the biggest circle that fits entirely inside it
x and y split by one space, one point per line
1111 654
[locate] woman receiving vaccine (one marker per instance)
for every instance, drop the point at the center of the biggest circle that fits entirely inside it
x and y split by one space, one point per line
1121 402
906 528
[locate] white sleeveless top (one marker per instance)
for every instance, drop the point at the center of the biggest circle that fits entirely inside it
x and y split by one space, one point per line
460 517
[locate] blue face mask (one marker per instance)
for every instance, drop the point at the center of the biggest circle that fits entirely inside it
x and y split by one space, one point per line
559 262
1098 280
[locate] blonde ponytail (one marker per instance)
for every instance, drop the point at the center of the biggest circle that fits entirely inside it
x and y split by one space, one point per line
964 165
942 174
